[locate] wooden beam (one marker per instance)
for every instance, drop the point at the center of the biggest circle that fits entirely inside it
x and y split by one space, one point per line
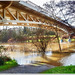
11 14
4 13
1 17
17 15
23 16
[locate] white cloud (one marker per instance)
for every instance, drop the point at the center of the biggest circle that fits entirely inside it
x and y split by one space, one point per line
39 2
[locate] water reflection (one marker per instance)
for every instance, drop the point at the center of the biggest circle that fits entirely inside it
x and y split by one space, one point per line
68 60
24 58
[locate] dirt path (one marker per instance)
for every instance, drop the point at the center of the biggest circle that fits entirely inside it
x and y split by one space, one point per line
28 69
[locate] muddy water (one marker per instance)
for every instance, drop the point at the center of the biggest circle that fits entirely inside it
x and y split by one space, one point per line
28 58
17 52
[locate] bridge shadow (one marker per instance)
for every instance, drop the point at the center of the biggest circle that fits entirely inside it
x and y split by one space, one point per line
63 53
55 58
51 62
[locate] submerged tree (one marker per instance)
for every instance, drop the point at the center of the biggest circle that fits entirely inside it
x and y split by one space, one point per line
42 46
43 43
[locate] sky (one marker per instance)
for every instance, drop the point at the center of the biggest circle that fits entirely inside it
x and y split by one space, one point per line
39 2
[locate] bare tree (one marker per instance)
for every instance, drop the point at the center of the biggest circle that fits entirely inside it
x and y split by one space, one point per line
42 44
63 11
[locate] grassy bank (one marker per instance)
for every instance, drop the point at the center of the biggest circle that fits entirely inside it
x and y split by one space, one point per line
8 65
61 70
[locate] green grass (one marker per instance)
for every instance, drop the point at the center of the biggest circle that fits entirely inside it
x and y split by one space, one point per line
52 35
72 39
8 65
30 40
61 70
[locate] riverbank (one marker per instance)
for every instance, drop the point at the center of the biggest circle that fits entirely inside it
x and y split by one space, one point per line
54 47
7 65
62 69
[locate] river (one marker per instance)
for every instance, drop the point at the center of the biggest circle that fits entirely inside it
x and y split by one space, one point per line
23 58
18 52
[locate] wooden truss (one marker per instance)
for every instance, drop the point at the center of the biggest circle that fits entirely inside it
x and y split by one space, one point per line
15 17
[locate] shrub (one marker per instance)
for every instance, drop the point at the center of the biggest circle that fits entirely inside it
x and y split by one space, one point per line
1 61
5 58
8 65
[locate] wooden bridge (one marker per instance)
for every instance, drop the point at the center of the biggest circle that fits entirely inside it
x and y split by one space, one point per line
20 13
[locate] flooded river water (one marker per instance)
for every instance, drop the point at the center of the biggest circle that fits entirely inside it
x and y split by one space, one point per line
28 58
17 52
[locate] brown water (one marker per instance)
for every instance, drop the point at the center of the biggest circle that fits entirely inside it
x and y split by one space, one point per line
17 52
28 58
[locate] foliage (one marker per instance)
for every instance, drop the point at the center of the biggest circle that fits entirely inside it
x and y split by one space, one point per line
7 34
19 34
3 57
4 36
5 62
2 49
72 39
61 69
8 65
1 61
6 58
